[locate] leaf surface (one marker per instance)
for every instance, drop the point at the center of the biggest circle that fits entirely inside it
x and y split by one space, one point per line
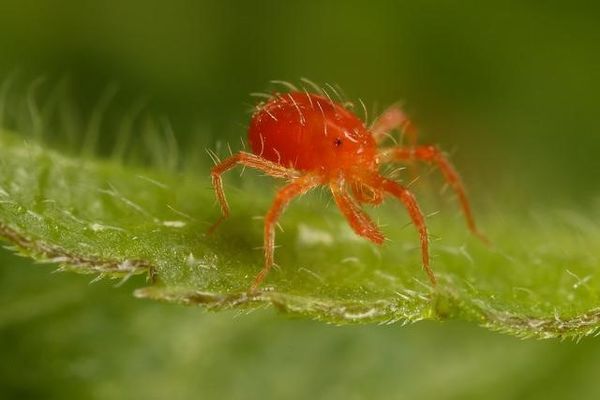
537 279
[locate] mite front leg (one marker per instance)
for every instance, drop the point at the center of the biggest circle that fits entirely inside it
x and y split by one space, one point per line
249 160
408 199
433 155
391 119
284 196
359 221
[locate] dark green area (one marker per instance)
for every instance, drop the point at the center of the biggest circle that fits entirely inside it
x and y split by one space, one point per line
72 339
510 88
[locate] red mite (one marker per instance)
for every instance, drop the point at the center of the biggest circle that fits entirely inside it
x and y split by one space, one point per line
310 140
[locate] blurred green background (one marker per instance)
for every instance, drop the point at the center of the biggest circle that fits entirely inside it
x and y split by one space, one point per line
511 88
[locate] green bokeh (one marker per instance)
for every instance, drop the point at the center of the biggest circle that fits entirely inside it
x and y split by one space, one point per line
511 86
71 339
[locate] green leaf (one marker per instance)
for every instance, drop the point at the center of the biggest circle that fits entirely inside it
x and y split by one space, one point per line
538 279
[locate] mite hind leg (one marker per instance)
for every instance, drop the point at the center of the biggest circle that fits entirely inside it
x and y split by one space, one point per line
248 160
432 155
416 216
283 197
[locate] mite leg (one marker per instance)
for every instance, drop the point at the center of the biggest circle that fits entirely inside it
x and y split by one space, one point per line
433 155
249 160
394 118
407 198
360 222
282 199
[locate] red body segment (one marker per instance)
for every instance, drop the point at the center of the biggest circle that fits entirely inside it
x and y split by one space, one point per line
308 132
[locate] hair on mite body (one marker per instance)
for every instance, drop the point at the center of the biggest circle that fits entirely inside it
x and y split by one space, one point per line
310 140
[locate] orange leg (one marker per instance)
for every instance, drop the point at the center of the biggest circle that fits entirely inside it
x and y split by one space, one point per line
249 160
393 118
433 155
358 220
282 199
409 201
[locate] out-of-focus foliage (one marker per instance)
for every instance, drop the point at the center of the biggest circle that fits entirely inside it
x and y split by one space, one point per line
512 86
69 339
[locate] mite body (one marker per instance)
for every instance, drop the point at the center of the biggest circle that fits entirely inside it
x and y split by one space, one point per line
310 133
310 140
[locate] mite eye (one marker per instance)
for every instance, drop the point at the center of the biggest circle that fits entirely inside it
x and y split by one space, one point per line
337 142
